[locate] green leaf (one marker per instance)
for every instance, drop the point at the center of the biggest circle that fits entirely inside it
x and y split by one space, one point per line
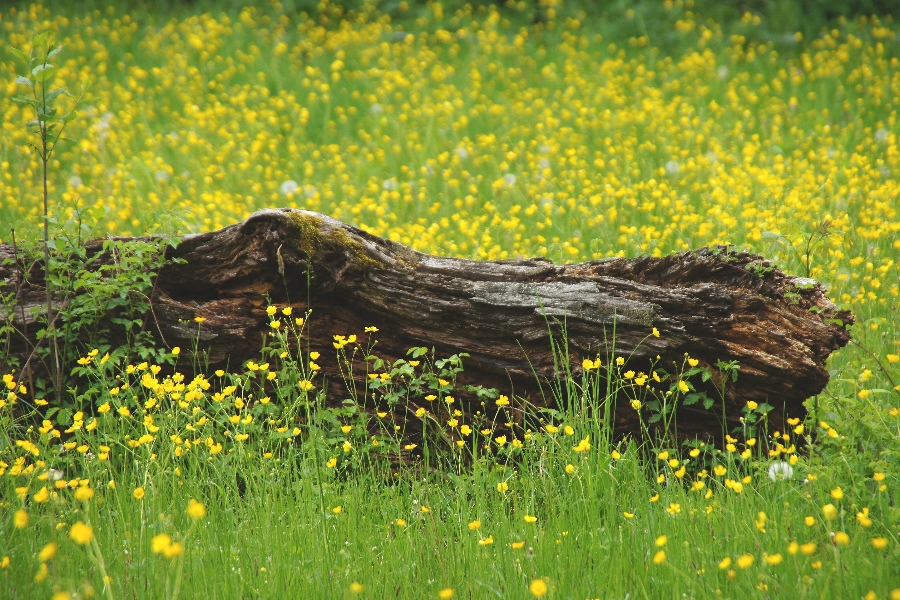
21 80
69 117
55 51
50 97
692 398
64 416
42 68
40 41
25 100
18 54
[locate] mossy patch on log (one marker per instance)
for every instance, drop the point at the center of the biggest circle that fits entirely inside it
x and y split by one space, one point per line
315 238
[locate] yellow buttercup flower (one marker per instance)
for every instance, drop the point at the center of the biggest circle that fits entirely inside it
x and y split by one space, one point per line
84 493
42 495
20 519
81 533
48 552
744 561
538 588
773 559
195 509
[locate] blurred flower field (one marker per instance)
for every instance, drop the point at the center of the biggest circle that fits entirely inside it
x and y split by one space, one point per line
474 134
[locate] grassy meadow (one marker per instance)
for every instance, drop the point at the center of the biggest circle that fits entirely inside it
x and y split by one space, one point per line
482 133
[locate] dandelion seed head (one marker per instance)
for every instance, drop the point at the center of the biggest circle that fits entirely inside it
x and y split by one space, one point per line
672 167
780 471
288 188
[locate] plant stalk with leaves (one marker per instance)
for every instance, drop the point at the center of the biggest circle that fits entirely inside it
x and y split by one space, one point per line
49 124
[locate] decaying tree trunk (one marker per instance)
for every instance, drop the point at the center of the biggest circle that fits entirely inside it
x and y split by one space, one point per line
715 304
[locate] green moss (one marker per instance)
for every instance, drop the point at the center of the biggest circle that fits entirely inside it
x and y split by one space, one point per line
313 241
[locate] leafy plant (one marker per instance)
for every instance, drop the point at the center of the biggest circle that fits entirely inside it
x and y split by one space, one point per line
804 250
100 292
48 125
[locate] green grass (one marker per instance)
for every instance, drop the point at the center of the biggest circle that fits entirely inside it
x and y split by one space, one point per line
302 498
647 133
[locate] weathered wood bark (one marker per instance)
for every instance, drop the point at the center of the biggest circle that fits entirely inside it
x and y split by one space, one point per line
716 304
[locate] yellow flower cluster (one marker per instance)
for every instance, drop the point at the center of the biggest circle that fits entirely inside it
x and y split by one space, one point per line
456 141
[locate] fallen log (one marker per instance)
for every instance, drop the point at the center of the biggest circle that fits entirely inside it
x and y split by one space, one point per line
715 304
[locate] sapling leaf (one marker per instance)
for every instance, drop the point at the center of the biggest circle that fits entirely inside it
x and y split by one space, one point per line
69 117
40 41
18 54
41 71
55 51
53 95
22 80
25 100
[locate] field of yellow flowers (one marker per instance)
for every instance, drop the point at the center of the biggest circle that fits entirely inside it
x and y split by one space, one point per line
473 133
